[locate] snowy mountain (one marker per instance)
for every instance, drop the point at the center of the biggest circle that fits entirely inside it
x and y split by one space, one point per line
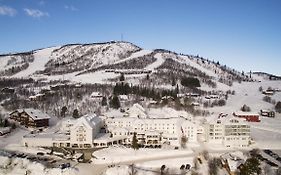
104 62
165 85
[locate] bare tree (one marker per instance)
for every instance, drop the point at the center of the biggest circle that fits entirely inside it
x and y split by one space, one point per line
133 170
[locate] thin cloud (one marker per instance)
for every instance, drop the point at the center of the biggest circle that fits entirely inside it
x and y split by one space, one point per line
35 13
70 7
42 2
8 11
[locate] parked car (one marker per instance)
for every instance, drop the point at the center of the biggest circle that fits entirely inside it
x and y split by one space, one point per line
40 154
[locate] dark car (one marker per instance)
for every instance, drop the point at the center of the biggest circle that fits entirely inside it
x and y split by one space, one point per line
40 154
267 151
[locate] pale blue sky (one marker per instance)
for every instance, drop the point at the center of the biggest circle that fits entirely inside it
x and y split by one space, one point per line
245 35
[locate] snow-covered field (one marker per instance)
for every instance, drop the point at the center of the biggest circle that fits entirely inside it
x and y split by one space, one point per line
266 133
12 138
117 155
248 93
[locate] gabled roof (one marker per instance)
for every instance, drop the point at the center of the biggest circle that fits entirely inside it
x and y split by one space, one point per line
137 111
241 113
89 121
35 114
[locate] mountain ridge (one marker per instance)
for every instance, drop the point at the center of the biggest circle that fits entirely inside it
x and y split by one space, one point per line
103 62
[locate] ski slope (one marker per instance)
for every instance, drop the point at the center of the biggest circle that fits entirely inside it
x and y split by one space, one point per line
192 63
160 60
41 57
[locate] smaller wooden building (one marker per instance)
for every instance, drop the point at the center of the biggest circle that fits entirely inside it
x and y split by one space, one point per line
30 117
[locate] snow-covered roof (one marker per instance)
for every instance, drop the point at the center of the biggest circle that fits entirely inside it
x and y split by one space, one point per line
35 114
90 121
234 159
117 129
96 94
227 120
168 113
123 97
187 123
5 130
241 113
137 111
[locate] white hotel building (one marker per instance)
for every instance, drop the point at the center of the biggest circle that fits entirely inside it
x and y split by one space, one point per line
92 131
152 131
167 130
228 131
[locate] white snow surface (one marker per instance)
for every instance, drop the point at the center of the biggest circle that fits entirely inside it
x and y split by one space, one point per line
193 63
167 112
41 57
3 62
248 93
101 54
160 60
121 154
266 134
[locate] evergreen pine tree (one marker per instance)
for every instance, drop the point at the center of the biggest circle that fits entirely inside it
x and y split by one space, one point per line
135 144
173 81
122 77
63 111
177 89
75 113
278 107
251 166
115 103
104 101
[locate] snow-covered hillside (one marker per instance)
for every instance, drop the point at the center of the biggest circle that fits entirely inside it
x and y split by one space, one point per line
73 58
41 57
90 63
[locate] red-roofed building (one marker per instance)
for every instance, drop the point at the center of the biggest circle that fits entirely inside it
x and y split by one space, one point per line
250 117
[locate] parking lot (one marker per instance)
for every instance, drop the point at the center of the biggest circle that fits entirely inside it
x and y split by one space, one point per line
269 157
273 156
47 160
